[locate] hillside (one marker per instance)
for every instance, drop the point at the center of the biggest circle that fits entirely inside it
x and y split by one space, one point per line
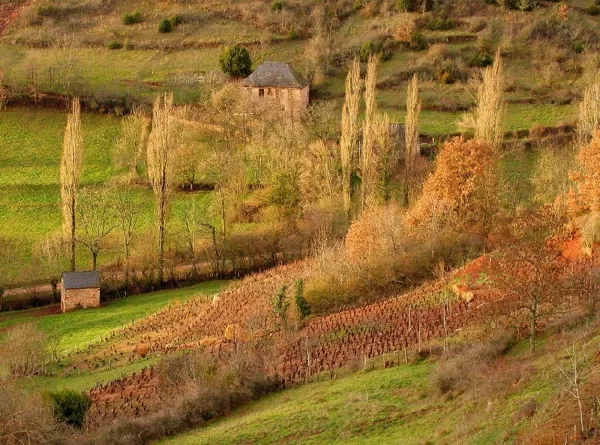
411 256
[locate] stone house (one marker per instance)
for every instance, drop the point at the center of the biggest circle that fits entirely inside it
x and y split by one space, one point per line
80 290
278 82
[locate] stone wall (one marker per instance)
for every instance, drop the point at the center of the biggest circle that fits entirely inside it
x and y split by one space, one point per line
294 99
72 299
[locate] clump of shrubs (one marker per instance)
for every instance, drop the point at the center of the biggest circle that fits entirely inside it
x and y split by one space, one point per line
202 388
481 59
70 406
48 11
277 5
24 352
167 25
133 18
418 42
462 370
440 23
593 10
115 45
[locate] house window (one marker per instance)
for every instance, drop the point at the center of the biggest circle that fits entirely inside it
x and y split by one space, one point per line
261 92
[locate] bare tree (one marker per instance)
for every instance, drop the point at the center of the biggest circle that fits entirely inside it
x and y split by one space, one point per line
529 278
130 146
572 376
368 161
486 119
50 253
70 173
162 145
411 134
128 216
96 222
350 132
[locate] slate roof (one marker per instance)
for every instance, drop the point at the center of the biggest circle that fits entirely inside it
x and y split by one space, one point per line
81 280
275 75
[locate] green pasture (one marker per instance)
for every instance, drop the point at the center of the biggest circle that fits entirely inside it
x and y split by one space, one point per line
80 328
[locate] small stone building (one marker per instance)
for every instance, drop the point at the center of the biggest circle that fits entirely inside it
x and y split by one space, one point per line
80 290
278 82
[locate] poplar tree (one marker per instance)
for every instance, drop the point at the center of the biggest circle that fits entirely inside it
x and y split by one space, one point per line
350 131
411 134
70 174
162 145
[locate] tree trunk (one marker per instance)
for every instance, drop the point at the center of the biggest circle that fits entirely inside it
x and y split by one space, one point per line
94 260
54 284
127 259
1 298
73 219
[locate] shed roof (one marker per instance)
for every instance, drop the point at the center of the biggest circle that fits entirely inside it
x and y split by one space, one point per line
81 280
276 75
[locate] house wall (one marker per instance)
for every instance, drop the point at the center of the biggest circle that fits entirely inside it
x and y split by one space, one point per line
294 99
72 299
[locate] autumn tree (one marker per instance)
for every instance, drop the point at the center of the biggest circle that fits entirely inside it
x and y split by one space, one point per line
70 174
461 194
133 140
162 146
96 220
350 132
486 118
413 112
587 176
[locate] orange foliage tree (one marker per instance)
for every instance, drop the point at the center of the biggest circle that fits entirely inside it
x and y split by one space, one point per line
462 193
586 196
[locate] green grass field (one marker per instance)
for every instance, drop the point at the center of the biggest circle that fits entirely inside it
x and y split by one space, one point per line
384 406
80 328
30 179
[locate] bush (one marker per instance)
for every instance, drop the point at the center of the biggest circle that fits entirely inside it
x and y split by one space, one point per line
593 10
461 372
481 59
440 24
26 418
418 42
176 20
293 34
301 303
404 5
48 11
236 61
132 19
277 5
165 26
70 406
24 352
115 45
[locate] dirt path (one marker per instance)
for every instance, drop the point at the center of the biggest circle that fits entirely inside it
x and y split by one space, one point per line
9 13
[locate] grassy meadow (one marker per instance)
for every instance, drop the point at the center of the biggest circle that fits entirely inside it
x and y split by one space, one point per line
30 179
384 406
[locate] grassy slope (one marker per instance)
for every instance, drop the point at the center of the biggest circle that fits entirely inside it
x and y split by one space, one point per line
79 328
399 406
390 406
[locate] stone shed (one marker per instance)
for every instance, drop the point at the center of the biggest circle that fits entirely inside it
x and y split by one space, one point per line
80 290
279 83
